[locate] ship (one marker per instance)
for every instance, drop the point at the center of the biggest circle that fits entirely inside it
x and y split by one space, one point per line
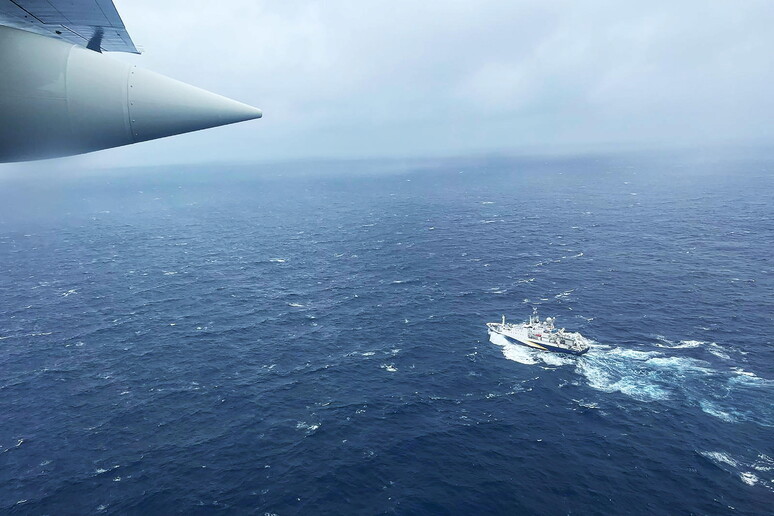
540 335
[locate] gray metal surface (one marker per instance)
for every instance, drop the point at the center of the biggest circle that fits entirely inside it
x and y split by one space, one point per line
95 24
59 99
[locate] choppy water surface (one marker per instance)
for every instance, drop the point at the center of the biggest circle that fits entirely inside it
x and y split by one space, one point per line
257 340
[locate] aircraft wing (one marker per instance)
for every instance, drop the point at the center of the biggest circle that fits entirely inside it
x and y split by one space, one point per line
61 96
94 24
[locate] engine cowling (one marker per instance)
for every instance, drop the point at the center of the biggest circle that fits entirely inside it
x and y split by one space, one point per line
59 99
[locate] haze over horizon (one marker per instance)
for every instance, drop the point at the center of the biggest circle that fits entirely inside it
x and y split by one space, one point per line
455 78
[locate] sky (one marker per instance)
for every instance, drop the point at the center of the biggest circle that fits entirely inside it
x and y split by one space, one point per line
458 77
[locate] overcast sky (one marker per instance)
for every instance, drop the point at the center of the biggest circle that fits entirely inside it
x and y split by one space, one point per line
453 77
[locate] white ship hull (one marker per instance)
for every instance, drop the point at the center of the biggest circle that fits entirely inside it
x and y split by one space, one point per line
522 334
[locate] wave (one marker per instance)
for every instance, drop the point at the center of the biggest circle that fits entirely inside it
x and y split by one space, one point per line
663 342
710 347
742 468
308 428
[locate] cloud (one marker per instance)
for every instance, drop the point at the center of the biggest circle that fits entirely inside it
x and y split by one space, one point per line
402 77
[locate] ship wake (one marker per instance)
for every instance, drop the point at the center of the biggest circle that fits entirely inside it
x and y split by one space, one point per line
732 395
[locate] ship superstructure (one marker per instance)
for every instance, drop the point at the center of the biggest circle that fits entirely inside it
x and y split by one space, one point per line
539 334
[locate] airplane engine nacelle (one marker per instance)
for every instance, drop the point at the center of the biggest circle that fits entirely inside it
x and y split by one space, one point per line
59 99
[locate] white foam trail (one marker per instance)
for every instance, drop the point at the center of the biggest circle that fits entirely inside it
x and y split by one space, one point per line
556 359
649 376
614 378
515 352
519 354
682 363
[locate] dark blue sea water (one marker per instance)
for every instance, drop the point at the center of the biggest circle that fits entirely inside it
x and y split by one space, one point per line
310 338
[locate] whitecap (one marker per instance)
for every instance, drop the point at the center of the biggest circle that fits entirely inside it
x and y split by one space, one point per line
389 368
307 427
763 463
718 351
586 404
709 408
739 370
720 457
296 305
665 343
277 260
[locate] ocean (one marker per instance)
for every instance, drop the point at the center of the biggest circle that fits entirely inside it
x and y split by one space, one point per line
309 338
